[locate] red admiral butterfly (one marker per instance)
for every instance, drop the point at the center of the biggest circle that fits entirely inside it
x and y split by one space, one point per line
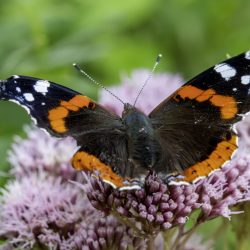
191 132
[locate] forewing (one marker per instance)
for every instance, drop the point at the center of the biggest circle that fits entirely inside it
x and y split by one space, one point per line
196 123
59 110
64 112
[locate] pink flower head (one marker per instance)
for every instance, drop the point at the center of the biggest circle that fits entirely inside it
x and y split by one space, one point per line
41 152
38 210
158 207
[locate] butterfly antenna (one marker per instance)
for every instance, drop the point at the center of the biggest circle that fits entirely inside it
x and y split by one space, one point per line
157 61
76 66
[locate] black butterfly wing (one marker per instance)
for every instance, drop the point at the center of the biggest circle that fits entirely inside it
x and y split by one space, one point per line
64 112
196 123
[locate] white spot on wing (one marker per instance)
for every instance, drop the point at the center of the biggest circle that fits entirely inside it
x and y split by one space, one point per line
226 71
28 97
18 89
247 55
234 89
42 86
16 76
43 103
245 79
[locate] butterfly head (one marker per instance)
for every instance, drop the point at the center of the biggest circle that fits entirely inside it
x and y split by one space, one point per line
128 109
135 119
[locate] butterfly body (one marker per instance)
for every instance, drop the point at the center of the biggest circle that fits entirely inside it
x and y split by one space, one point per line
144 150
190 134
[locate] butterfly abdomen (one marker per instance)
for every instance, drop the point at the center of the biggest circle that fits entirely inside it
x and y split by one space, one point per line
145 151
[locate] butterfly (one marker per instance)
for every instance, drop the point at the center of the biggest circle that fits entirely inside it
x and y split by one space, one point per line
190 134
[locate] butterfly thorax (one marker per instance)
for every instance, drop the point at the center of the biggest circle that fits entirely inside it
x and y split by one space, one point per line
143 147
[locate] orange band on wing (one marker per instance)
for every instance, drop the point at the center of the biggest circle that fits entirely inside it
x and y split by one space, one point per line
226 104
84 161
77 102
57 115
189 92
215 160
205 95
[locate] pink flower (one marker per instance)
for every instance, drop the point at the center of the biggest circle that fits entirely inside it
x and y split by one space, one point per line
40 152
158 207
40 209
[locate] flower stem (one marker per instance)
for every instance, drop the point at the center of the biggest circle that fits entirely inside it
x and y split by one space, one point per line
177 238
168 236
150 243
129 223
182 237
186 236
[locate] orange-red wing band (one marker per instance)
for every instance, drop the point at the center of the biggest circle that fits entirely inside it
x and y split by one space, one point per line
215 160
226 104
58 115
84 161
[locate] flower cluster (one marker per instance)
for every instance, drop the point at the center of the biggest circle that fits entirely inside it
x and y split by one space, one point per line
54 214
42 153
158 207
35 210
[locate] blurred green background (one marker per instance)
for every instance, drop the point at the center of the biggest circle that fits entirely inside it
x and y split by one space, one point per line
43 38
